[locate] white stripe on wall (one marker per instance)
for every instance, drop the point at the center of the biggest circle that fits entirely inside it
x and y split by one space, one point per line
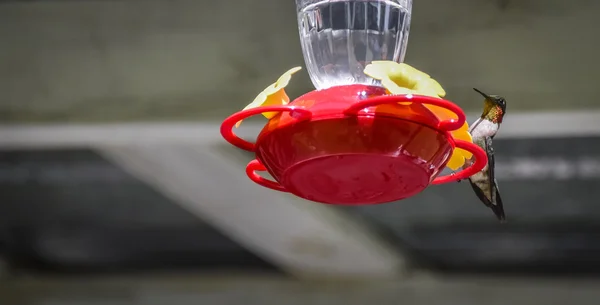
521 125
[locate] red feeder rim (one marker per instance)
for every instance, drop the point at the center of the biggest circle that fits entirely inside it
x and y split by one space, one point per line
299 113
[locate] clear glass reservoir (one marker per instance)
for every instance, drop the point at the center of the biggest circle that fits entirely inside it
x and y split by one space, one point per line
340 37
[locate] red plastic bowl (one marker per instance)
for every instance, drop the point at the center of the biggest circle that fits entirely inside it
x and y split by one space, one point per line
354 145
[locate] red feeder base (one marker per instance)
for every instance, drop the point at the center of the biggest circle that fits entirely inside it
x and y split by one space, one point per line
354 145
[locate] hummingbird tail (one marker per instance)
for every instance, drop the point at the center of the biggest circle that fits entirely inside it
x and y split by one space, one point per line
498 208
499 212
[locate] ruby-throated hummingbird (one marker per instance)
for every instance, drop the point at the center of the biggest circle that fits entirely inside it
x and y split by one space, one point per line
483 131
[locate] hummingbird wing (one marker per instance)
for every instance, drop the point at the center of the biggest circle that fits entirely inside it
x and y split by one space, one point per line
498 207
496 201
490 195
474 125
489 149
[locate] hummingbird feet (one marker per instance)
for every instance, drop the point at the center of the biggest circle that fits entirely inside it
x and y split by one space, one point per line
454 173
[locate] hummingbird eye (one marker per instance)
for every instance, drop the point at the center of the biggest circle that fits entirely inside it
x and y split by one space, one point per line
502 103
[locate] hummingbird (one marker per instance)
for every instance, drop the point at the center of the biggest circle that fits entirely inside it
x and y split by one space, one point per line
483 131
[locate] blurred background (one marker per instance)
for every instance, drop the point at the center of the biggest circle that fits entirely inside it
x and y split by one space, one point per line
116 187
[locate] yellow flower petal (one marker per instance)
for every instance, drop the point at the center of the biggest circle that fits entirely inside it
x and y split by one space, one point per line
438 88
413 71
273 95
456 161
465 136
402 77
462 135
427 91
393 88
380 70
383 63
279 97
285 78
377 70
407 76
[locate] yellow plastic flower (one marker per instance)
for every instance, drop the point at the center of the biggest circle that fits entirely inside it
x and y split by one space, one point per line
273 95
400 78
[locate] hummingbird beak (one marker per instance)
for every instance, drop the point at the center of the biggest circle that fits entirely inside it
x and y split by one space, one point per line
484 94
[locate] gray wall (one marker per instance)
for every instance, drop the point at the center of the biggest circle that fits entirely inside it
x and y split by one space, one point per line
146 60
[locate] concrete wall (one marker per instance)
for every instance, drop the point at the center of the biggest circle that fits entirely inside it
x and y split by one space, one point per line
147 60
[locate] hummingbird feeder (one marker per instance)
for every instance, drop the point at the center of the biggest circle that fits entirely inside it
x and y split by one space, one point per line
353 141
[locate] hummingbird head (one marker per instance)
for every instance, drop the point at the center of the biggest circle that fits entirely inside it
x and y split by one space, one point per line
494 107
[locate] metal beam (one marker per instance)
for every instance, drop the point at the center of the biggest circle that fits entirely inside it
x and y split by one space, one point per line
306 239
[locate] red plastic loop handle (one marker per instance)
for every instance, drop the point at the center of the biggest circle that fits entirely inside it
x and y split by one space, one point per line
481 161
446 125
254 166
298 113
